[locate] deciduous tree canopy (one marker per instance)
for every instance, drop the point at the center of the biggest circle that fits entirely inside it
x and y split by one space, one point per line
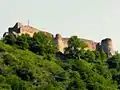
29 63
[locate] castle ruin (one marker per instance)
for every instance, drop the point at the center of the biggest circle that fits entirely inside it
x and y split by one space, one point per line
105 44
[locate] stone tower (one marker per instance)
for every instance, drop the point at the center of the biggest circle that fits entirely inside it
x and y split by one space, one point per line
107 46
61 42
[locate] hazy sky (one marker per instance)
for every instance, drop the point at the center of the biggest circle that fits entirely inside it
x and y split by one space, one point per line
91 19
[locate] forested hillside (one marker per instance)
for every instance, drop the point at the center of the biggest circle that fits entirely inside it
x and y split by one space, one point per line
33 63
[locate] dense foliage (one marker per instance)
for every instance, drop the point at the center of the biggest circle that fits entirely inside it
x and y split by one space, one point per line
31 64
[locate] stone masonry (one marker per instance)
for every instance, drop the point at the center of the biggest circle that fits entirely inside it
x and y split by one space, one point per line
19 29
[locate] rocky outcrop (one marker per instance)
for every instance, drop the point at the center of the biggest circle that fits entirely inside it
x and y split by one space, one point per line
62 42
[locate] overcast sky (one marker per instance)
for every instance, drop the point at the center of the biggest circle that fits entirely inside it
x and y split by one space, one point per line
90 19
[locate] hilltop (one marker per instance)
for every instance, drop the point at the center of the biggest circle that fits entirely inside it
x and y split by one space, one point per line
62 42
24 70
36 63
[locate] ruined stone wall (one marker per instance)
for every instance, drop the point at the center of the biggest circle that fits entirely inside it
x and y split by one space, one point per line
63 43
19 29
106 44
91 45
28 30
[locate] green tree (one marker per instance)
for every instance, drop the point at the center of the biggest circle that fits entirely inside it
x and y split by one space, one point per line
43 44
9 39
23 41
24 70
74 46
89 56
103 56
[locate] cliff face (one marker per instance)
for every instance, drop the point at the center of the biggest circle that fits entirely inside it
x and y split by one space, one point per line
105 44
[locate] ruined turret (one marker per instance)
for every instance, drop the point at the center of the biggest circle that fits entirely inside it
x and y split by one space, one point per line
107 46
60 43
